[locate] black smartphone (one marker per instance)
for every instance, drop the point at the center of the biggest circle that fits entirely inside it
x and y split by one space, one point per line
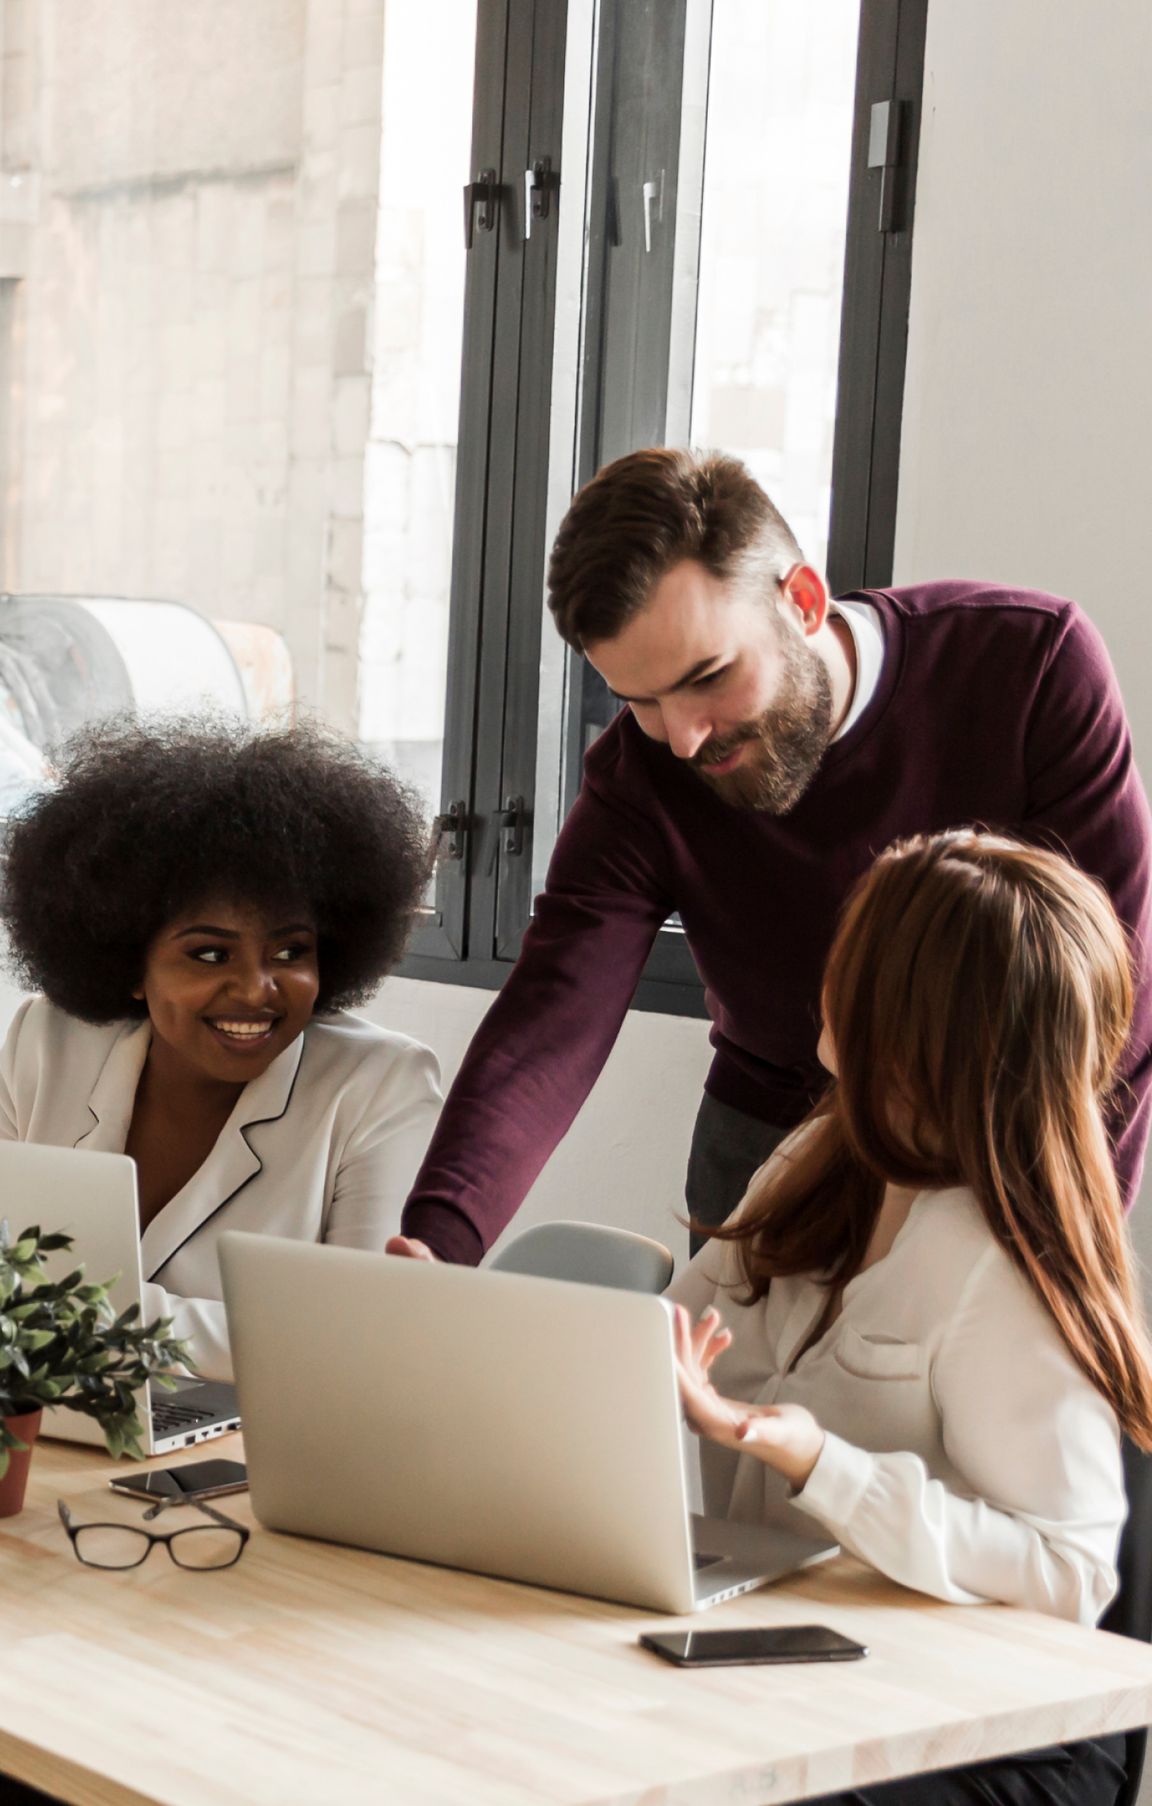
199 1480
726 1648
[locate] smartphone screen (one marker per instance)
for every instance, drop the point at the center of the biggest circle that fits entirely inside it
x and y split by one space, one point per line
786 1643
199 1480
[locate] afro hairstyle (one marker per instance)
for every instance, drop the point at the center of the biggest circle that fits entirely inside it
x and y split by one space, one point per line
148 820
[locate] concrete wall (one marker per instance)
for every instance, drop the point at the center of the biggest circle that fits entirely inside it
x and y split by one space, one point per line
187 337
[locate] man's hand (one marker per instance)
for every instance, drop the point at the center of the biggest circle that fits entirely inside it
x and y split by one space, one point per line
786 1437
409 1248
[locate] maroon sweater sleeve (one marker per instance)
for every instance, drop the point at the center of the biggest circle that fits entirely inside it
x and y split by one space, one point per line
538 1051
1084 793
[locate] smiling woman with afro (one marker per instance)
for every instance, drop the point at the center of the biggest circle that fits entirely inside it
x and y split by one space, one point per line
199 905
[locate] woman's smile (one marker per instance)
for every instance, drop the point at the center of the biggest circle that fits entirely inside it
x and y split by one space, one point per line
243 1034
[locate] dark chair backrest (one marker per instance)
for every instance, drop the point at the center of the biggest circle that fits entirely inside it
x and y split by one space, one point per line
1130 1613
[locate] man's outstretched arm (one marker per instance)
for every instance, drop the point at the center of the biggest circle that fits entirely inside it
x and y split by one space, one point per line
541 1047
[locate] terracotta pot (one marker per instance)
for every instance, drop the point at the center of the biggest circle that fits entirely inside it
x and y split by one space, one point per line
12 1486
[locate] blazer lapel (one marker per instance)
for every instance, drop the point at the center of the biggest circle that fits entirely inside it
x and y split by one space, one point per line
230 1166
114 1093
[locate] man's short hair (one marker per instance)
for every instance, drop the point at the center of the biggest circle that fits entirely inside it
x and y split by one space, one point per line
644 514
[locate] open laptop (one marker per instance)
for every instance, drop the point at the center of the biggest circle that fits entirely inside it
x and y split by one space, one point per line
92 1197
520 1427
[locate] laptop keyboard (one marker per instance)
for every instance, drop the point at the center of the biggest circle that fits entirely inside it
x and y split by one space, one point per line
705 1561
169 1418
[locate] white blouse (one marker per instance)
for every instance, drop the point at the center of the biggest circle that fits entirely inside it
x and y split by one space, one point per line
966 1454
322 1147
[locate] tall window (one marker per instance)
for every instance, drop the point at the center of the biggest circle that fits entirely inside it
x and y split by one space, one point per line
705 227
289 422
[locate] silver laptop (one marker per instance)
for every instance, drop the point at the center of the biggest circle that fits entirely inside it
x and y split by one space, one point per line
519 1427
92 1197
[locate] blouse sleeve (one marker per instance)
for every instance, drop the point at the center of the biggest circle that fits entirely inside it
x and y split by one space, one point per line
9 1119
1038 1519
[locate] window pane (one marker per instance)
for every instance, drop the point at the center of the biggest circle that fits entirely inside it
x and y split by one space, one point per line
231 276
429 54
748 303
772 247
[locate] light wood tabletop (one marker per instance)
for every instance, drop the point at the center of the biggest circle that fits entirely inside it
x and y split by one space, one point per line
314 1674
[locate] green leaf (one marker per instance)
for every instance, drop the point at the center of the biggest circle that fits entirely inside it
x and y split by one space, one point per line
61 1342
50 1244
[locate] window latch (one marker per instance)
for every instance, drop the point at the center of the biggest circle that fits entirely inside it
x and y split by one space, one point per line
884 146
480 205
451 830
512 823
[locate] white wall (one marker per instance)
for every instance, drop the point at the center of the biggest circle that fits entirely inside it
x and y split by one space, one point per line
1029 381
625 1156
1028 399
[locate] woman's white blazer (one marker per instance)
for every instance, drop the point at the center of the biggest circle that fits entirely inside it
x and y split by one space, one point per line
322 1147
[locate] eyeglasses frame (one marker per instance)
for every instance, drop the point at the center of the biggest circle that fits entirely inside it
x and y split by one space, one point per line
165 1537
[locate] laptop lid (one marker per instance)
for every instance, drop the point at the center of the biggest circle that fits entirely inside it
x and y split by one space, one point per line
518 1427
92 1198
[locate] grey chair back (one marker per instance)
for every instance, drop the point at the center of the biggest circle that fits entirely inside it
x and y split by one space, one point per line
590 1254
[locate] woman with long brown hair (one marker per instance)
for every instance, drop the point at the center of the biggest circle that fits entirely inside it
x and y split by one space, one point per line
921 1326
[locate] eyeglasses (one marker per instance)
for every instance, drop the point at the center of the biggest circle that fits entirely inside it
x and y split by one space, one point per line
197 1547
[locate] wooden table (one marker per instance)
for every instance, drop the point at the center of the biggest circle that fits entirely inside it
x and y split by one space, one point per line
313 1674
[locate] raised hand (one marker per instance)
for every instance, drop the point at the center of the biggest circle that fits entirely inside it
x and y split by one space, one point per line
785 1437
697 1346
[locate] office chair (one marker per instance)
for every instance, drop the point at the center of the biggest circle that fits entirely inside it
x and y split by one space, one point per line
589 1253
1130 1613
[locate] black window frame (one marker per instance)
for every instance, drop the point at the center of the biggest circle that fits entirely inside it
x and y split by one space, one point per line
471 934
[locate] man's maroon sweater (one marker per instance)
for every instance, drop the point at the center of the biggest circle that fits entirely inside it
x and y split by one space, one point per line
995 707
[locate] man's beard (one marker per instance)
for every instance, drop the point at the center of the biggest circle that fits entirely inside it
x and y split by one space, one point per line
786 743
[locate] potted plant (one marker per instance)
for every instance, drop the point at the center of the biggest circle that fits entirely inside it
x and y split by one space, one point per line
62 1344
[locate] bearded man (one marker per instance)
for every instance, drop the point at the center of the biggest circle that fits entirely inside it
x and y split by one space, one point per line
772 741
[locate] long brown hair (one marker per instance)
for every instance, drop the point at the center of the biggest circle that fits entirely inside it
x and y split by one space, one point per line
978 995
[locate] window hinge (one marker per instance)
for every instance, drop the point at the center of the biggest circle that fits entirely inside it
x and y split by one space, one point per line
451 831
884 153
